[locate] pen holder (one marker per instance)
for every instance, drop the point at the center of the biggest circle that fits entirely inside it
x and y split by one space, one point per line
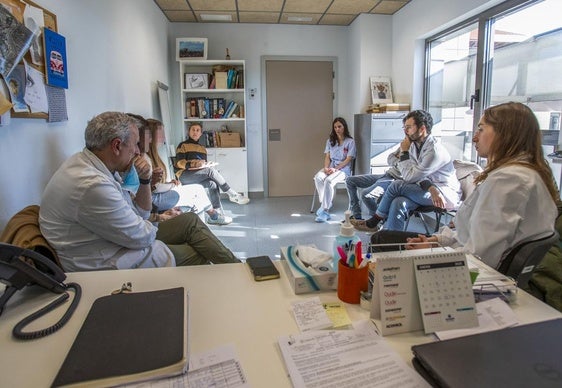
351 281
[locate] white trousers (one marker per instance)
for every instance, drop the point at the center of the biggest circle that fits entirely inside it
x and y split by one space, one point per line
326 186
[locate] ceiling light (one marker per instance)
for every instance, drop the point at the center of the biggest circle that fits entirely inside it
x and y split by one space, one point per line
216 18
299 19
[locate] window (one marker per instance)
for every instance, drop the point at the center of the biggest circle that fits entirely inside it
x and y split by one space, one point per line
512 52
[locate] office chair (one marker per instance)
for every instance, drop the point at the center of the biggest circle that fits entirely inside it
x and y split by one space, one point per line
520 261
338 185
466 172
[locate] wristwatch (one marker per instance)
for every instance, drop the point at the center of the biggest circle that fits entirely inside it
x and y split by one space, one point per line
145 181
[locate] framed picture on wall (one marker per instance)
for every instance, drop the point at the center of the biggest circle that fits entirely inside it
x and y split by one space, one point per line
381 91
188 49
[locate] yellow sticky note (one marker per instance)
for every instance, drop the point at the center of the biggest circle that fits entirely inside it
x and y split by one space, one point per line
337 314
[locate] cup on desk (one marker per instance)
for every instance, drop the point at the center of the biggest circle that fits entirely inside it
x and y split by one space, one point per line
351 281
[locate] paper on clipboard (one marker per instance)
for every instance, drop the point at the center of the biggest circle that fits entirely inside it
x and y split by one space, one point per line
205 165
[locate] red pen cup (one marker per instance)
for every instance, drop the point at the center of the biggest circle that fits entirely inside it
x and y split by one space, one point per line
351 281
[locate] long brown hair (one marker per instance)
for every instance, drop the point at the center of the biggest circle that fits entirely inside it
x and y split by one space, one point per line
334 136
517 141
152 152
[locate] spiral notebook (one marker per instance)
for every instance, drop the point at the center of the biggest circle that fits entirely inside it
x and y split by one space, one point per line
422 289
129 337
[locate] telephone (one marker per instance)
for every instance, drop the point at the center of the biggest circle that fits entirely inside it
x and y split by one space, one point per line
16 273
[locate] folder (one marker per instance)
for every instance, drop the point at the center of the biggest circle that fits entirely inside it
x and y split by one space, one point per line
129 337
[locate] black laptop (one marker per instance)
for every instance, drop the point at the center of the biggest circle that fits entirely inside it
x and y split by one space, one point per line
521 356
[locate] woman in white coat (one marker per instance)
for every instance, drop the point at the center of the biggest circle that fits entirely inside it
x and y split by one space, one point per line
514 200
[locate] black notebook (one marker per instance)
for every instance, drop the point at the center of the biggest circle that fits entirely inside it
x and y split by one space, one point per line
130 337
521 356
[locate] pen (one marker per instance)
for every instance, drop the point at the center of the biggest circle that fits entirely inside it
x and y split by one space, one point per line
358 258
343 256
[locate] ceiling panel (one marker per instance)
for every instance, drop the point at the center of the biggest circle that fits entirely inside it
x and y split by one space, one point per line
318 12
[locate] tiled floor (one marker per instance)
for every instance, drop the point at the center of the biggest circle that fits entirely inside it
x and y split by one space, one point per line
264 225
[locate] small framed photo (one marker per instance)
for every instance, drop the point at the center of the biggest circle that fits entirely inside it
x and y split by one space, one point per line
381 91
196 81
188 49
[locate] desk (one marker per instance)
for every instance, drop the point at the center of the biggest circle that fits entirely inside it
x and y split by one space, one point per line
226 306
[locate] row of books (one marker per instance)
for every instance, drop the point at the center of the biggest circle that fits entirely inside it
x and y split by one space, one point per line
212 108
220 138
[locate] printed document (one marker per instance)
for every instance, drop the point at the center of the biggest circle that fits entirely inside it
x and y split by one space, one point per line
343 358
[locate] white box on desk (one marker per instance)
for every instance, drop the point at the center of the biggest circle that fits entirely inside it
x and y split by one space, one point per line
301 284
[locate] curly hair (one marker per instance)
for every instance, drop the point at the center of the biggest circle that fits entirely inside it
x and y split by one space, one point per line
421 117
334 136
517 141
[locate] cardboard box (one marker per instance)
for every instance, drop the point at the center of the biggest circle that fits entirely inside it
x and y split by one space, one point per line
229 139
220 79
315 281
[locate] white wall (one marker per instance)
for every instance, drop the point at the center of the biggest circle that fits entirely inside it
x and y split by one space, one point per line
117 50
252 41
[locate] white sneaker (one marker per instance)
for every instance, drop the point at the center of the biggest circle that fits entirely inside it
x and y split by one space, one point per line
239 199
221 220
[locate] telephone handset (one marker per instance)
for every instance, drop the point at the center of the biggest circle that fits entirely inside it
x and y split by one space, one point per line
16 273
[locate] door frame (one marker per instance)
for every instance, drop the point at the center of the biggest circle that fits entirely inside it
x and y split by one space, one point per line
263 90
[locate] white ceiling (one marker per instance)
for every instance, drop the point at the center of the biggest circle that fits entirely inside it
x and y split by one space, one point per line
308 12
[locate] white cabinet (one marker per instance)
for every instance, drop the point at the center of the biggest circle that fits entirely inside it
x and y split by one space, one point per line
230 162
203 102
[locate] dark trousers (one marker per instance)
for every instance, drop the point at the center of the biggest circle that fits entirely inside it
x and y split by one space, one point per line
394 238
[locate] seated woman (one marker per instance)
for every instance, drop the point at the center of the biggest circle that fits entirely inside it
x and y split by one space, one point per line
338 155
191 165
514 200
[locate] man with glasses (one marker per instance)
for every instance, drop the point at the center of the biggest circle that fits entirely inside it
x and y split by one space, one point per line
428 176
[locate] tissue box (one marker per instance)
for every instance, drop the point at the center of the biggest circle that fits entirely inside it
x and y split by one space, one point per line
301 284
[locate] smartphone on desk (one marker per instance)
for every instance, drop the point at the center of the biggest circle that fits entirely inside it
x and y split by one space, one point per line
262 268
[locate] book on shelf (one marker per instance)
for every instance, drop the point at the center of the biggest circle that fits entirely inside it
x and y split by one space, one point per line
123 340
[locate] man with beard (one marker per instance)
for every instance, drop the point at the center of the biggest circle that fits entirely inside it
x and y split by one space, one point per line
428 176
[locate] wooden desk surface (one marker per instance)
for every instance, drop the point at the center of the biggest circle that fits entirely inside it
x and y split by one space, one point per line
226 306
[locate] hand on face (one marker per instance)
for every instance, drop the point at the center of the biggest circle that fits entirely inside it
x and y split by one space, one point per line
143 168
405 144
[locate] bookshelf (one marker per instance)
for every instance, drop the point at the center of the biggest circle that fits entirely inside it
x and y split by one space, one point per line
213 94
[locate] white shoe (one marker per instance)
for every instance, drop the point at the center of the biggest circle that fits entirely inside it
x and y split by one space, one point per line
239 199
221 220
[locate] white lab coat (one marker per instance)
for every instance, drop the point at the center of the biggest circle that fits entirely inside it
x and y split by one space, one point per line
511 206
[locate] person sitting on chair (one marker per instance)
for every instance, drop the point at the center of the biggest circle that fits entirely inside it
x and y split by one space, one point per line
338 156
191 160
422 162
515 196
93 224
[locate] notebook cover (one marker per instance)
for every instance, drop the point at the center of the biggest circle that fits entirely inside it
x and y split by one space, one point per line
520 356
129 337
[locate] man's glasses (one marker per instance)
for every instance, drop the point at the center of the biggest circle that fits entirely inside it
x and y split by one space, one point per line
408 127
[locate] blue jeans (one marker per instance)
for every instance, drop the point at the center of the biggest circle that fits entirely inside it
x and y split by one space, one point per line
398 200
164 201
368 182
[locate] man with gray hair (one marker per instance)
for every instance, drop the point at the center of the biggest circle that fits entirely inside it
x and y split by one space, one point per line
93 224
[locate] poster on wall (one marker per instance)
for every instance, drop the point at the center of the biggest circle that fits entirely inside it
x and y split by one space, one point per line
381 91
55 59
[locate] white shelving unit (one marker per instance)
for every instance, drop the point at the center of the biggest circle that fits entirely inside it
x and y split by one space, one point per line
232 161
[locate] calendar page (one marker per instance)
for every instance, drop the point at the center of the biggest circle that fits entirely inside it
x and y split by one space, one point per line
445 292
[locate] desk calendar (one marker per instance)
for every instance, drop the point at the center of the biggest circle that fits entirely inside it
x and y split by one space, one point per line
427 289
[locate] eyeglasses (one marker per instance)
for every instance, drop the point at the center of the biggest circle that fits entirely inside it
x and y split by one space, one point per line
408 127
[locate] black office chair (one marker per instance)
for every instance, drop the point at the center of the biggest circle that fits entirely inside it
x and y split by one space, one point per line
521 260
420 211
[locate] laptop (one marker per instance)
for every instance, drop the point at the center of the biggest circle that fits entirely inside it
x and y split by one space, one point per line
521 356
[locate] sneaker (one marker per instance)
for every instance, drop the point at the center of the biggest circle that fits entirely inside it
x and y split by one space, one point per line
323 216
358 217
239 199
220 220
